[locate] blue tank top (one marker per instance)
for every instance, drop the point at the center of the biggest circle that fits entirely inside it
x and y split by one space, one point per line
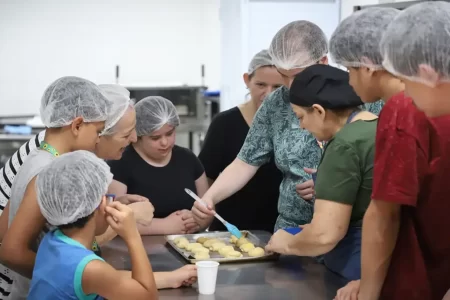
58 271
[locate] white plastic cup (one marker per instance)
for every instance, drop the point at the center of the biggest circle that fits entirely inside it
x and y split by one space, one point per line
207 276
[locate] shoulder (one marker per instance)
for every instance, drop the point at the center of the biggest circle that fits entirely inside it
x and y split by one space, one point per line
226 116
183 153
357 132
278 97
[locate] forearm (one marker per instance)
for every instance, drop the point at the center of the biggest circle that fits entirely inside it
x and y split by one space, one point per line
141 269
106 237
21 262
311 242
231 180
162 279
378 242
156 227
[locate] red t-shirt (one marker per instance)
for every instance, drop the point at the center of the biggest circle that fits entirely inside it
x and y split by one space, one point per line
411 168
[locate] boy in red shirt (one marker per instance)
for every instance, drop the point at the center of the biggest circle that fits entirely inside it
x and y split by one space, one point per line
402 256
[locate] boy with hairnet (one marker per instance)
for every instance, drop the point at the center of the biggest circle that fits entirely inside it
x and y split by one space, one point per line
71 196
74 111
396 227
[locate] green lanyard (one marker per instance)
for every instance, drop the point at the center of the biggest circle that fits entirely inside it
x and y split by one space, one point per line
49 148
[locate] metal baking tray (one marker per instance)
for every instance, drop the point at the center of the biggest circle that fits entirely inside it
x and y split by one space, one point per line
215 256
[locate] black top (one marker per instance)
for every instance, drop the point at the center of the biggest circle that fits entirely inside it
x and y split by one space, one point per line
163 186
254 207
324 85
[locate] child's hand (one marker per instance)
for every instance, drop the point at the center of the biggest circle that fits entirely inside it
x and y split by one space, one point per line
174 223
121 218
184 276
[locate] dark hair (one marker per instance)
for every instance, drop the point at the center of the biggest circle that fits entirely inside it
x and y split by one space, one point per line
323 85
80 223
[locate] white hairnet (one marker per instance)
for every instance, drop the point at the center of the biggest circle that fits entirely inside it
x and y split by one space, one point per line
419 36
154 112
299 44
72 187
356 41
120 98
70 97
261 59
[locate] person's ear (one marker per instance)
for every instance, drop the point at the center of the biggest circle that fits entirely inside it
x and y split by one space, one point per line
318 109
324 60
428 75
102 206
75 126
246 78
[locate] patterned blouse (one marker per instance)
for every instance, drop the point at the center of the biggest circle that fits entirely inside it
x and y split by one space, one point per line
276 131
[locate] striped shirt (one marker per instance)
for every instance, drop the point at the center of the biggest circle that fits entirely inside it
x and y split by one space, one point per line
7 174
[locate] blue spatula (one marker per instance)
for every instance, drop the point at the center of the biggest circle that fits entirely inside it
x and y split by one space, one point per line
230 227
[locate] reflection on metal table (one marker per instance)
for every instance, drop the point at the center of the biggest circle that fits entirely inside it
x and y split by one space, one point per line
285 279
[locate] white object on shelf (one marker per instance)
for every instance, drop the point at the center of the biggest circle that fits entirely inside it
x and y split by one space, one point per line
35 122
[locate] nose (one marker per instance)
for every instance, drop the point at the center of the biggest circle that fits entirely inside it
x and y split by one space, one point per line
164 142
133 136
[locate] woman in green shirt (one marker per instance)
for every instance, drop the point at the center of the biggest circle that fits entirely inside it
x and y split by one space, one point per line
328 107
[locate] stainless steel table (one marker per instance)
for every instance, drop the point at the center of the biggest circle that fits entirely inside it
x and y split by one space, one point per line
288 277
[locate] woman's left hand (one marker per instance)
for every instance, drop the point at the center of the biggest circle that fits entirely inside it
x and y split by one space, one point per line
279 242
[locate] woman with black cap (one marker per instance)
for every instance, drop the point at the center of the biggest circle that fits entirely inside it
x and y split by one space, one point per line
327 106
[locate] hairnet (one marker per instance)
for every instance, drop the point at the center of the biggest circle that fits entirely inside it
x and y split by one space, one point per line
261 59
419 36
72 187
120 98
324 85
356 41
299 44
154 112
70 97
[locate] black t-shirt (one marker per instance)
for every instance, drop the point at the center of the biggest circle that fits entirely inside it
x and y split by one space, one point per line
163 186
254 207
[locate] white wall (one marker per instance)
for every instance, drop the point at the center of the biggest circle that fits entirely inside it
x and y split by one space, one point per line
248 26
348 5
155 42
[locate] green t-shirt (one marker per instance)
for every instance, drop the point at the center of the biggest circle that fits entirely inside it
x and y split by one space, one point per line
346 169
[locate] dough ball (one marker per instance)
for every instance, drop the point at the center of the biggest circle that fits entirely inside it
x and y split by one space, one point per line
201 256
242 241
192 246
209 243
200 250
216 246
233 254
256 252
183 244
224 250
233 239
202 239
179 239
247 247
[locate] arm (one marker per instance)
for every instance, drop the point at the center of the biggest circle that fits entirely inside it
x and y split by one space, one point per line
19 244
157 227
117 188
201 185
4 217
328 226
380 231
404 170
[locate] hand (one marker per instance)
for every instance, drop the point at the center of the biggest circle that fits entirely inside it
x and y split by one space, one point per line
203 215
184 276
128 199
348 292
190 224
306 189
174 223
279 242
143 212
121 218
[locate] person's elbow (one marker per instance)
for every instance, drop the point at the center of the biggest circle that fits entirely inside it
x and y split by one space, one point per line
10 253
328 240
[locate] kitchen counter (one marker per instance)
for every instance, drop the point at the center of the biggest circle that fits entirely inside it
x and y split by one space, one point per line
287 278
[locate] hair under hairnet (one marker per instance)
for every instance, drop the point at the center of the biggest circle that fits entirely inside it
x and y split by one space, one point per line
154 112
70 97
299 44
419 36
120 98
356 41
72 187
261 59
